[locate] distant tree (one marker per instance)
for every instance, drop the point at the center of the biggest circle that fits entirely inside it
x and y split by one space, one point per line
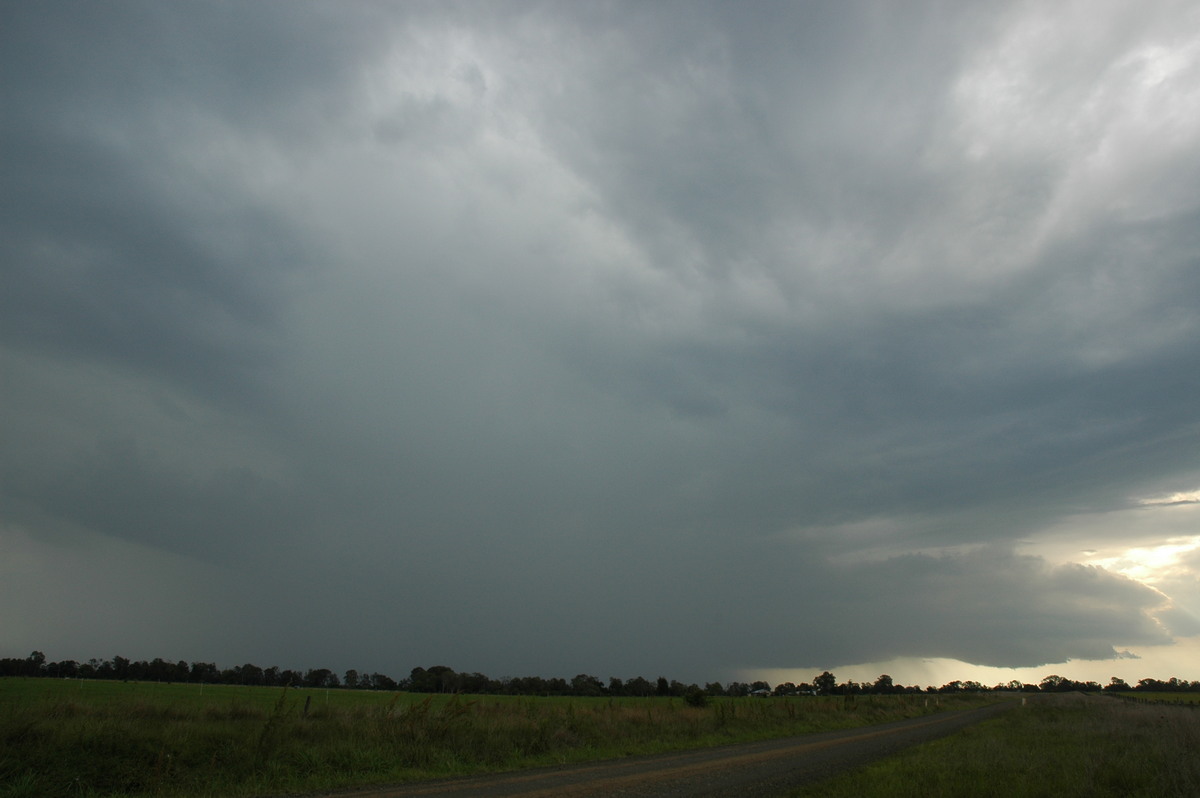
695 697
824 684
419 681
525 685
350 679
615 686
1054 683
204 672
159 670
476 684
784 688
35 663
639 687
883 684
321 677
444 679
586 685
662 686
382 682
252 674
737 689
438 679
714 689
67 669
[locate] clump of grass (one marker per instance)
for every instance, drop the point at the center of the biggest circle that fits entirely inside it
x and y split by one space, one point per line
270 730
18 785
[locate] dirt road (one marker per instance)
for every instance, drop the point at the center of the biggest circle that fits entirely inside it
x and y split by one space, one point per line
769 768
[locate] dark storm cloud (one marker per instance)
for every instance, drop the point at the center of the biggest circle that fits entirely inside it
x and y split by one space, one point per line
553 339
715 129
119 243
118 490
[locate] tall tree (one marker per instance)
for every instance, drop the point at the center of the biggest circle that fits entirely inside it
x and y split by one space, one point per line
825 683
586 685
35 663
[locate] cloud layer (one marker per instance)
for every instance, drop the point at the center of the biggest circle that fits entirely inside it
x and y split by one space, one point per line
634 339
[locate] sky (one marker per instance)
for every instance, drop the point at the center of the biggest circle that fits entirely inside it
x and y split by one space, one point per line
705 340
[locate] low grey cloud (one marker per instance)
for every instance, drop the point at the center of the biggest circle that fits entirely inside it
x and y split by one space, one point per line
623 339
989 606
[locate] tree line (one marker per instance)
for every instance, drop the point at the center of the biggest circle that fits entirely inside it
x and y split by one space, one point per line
441 679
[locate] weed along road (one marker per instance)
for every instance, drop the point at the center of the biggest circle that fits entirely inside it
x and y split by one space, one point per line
767 768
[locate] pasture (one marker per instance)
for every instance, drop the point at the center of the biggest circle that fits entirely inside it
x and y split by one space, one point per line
1060 745
1163 698
99 738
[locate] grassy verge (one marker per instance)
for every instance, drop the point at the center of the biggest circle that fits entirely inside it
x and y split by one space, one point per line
1063 746
67 738
1161 698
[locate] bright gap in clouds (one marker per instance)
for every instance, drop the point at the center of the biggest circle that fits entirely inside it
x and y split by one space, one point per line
1155 558
1185 497
1151 564
1157 543
1148 540
1153 541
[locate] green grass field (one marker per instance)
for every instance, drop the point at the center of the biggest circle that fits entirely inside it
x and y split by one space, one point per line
1163 698
97 738
1078 746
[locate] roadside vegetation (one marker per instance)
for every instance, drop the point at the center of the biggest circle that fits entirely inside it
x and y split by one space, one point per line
63 737
1068 745
176 729
1186 699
